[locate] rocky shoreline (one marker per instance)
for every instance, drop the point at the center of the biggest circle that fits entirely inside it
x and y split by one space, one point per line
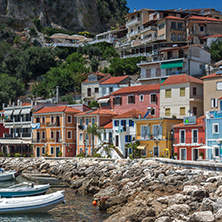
140 190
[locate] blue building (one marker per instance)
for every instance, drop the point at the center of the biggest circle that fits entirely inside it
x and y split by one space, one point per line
214 134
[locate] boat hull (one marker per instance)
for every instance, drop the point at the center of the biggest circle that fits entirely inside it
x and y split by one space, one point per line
6 177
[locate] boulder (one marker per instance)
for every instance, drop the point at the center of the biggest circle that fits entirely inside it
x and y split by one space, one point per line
218 215
163 219
178 209
202 216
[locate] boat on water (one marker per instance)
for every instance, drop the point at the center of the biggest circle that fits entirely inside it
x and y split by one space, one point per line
33 204
7 175
24 189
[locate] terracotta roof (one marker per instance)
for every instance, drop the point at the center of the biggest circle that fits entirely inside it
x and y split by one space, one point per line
213 75
199 122
56 109
182 47
174 17
182 78
98 112
114 80
135 89
108 125
203 18
104 76
134 113
212 36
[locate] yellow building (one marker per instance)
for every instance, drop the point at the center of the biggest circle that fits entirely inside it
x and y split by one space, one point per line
155 136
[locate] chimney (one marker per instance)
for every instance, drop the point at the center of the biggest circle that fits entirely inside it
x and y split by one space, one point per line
140 115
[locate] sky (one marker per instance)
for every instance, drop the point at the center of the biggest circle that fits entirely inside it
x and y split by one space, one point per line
171 4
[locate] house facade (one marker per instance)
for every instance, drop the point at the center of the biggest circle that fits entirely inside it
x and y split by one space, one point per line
136 97
180 95
56 132
155 136
188 137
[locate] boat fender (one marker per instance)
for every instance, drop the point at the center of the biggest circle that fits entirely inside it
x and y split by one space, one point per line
94 203
63 201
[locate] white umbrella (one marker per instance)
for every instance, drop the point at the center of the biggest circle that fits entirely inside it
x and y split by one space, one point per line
205 147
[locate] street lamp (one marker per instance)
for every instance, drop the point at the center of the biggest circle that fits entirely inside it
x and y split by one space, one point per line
157 142
172 138
84 142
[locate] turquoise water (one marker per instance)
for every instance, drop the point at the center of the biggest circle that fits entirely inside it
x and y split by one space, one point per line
77 208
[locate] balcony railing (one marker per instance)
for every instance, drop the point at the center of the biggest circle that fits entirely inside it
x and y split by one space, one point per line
17 135
176 28
193 141
133 22
53 140
53 124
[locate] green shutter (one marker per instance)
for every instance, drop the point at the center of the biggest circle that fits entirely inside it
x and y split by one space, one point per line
169 65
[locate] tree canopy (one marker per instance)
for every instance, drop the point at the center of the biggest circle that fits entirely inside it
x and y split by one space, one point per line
216 51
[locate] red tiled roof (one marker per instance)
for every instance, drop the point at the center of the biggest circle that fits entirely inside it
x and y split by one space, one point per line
199 122
182 78
220 98
174 17
134 113
135 89
182 47
108 125
104 76
98 112
56 109
213 36
203 18
213 75
114 80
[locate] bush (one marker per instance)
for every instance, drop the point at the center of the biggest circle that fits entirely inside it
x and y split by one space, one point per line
97 155
1 154
80 155
18 155
201 154
60 154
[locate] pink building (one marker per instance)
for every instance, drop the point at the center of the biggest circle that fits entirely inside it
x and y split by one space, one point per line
141 97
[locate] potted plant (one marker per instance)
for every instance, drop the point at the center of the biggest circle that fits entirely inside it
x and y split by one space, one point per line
200 156
60 154
175 155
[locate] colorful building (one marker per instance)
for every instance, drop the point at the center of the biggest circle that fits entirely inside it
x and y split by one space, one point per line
155 136
55 131
188 137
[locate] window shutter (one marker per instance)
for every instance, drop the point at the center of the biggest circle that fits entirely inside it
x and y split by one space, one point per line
126 138
114 101
120 100
132 123
133 99
216 103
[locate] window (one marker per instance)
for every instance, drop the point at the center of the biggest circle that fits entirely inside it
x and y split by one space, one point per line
103 91
93 120
52 119
89 92
69 119
167 111
104 136
117 140
145 132
123 122
52 134
215 128
117 100
182 136
194 91
92 78
141 98
87 136
116 123
80 137
43 120
131 99
168 93
69 135
194 111
219 85
43 150
153 98
143 152
157 131
182 91
96 90
216 150
37 119
110 89
81 122
153 112
131 122
51 150
173 37
156 151
182 111
128 138
201 28
87 121
213 103
43 134
195 136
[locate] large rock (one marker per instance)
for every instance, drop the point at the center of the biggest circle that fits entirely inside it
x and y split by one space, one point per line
202 216
163 219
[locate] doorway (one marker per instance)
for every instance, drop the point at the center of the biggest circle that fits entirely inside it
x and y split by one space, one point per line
57 151
195 154
37 151
183 154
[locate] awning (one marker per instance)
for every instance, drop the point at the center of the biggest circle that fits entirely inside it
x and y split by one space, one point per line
26 111
174 64
17 111
104 100
141 147
8 112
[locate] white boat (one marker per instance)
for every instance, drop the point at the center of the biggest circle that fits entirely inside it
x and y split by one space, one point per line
24 189
7 175
34 204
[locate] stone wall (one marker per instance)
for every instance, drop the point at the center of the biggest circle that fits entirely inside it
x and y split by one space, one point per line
139 190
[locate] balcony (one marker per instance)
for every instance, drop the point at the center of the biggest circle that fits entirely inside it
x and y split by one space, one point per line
132 34
149 39
176 28
17 135
153 28
194 141
132 22
53 124
50 140
145 54
80 127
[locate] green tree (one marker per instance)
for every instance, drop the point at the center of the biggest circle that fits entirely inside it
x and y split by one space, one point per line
135 152
94 64
216 51
94 130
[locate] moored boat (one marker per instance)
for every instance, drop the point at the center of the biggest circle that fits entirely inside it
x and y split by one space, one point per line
7 175
24 189
33 204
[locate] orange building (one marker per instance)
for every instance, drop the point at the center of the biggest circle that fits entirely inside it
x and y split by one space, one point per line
55 134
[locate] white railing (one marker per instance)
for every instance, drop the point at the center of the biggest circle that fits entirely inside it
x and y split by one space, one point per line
137 55
148 28
133 22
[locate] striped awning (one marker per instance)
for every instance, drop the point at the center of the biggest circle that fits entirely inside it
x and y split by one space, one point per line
26 111
17 111
8 112
141 147
173 64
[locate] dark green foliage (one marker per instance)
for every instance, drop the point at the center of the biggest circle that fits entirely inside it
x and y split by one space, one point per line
32 32
37 24
94 104
67 98
94 64
216 51
50 31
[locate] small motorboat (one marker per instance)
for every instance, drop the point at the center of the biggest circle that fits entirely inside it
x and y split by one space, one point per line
24 189
7 175
34 204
